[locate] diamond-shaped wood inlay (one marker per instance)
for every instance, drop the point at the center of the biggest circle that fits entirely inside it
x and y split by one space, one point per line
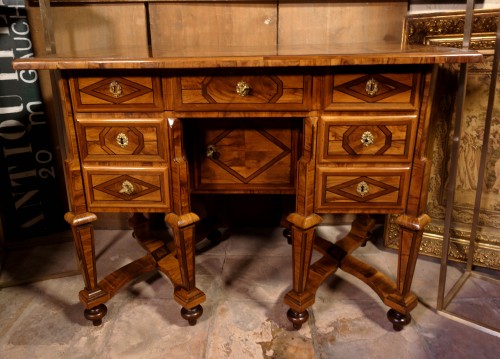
107 140
114 187
129 90
353 145
247 153
349 189
386 88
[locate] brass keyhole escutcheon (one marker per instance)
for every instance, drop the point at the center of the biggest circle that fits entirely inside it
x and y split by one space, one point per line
243 89
362 188
122 140
371 87
127 187
211 151
367 138
115 88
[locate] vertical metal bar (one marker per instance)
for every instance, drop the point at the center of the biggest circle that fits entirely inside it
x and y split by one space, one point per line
454 157
48 29
484 151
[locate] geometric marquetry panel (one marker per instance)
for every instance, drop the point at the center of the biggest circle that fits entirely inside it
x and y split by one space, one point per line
343 189
247 153
372 88
116 90
398 90
366 138
360 189
257 154
126 187
134 93
106 140
255 92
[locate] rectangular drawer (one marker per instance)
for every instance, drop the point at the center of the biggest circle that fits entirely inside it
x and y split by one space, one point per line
372 88
122 139
370 190
127 189
244 155
372 138
116 92
229 90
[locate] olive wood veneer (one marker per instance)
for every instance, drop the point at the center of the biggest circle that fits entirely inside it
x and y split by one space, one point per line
345 129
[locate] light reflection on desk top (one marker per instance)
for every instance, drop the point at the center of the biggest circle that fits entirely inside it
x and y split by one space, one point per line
282 56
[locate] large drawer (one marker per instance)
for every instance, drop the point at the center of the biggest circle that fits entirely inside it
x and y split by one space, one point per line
366 138
116 92
120 138
243 155
241 91
127 189
372 88
370 190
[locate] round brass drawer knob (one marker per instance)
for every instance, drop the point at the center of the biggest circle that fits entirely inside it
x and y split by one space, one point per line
127 187
362 188
367 138
122 140
371 87
243 89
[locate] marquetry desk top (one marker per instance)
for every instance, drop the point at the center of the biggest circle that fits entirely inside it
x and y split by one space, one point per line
385 53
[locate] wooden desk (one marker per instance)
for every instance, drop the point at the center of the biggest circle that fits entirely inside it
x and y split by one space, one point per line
343 129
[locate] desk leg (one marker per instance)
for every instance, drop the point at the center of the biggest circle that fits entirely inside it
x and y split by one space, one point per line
300 298
188 295
404 301
92 296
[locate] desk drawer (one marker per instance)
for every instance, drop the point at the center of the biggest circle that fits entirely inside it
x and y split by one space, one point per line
122 139
370 190
242 91
373 138
244 156
127 189
372 88
116 93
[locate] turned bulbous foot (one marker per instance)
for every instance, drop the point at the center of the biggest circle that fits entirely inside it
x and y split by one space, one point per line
96 314
288 235
296 318
192 315
398 320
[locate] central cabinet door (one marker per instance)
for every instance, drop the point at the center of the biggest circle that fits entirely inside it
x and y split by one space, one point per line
243 155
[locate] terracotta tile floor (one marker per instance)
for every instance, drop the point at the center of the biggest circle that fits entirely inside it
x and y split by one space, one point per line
245 278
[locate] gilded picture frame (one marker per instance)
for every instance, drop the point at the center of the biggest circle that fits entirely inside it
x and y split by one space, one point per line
446 29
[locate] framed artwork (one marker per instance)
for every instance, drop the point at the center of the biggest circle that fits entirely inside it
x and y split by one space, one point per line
446 29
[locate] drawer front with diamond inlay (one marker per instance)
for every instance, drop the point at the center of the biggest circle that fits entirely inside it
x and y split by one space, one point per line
127 189
255 155
351 89
116 93
240 92
368 190
366 138
122 139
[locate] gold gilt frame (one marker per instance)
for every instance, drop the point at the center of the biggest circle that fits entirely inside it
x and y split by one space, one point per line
446 29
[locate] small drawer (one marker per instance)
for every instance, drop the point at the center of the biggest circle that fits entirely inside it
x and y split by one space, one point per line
366 138
116 93
373 89
351 190
242 91
121 139
246 156
127 189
